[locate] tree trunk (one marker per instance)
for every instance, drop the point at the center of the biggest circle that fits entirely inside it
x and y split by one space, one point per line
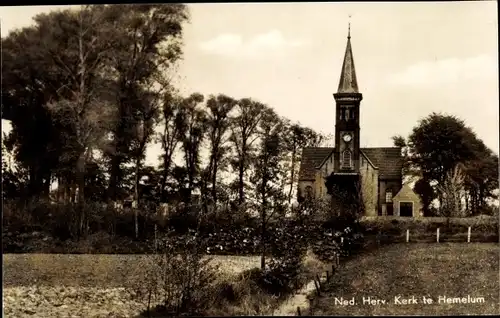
263 236
241 185
166 168
114 177
264 217
467 195
292 175
214 181
80 182
46 185
136 197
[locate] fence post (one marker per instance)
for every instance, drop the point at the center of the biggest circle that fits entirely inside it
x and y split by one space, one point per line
327 276
298 311
310 306
407 235
437 235
468 235
333 269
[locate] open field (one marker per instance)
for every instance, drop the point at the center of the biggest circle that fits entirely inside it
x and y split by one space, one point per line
64 285
405 270
100 270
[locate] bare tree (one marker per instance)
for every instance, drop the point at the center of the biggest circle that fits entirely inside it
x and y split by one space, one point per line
451 191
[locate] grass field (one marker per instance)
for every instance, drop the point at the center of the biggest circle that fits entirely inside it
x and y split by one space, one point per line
452 270
97 270
65 285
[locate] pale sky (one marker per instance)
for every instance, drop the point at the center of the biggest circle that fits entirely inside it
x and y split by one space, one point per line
411 59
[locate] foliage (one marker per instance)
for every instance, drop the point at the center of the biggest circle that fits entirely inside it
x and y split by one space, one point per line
180 282
437 144
398 226
450 191
426 193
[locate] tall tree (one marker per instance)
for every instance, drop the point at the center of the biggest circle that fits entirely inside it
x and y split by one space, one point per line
192 127
170 137
438 143
441 142
243 135
82 101
267 172
147 113
218 123
27 88
150 43
297 138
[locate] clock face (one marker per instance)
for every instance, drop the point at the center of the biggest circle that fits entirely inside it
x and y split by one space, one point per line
347 137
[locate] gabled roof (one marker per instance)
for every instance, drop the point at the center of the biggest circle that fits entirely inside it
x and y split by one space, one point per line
312 157
387 159
406 192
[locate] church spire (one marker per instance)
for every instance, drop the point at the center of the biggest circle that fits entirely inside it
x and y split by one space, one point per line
348 82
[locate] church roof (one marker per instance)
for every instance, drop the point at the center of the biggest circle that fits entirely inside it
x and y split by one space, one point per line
348 82
387 159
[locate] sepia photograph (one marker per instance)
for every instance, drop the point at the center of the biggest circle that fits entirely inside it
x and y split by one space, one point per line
250 159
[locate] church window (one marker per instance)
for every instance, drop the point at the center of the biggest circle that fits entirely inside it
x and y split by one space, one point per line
388 196
342 113
346 158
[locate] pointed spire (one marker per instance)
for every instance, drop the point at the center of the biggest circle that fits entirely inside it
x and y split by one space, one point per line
348 82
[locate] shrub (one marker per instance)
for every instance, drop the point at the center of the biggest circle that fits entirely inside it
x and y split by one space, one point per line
179 281
393 227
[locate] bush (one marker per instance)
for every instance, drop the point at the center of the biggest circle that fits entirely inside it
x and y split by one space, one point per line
179 281
392 227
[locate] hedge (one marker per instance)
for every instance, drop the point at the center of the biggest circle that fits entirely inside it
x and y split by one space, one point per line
428 225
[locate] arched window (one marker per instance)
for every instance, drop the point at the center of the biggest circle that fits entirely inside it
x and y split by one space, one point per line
346 159
388 196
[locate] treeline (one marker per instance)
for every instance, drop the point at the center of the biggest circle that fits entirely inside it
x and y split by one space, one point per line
87 90
452 165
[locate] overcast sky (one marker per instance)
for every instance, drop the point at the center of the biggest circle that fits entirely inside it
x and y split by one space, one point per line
411 59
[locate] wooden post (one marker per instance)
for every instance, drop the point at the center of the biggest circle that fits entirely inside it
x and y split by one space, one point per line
468 235
310 306
437 235
407 235
337 259
333 269
327 276
298 311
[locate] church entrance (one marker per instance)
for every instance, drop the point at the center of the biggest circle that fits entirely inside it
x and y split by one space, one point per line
406 209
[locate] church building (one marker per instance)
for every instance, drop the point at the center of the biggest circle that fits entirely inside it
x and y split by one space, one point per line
378 170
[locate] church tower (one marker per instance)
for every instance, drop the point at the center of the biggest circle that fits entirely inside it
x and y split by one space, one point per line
347 100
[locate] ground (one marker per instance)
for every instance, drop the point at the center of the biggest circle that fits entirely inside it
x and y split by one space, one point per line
65 285
431 270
